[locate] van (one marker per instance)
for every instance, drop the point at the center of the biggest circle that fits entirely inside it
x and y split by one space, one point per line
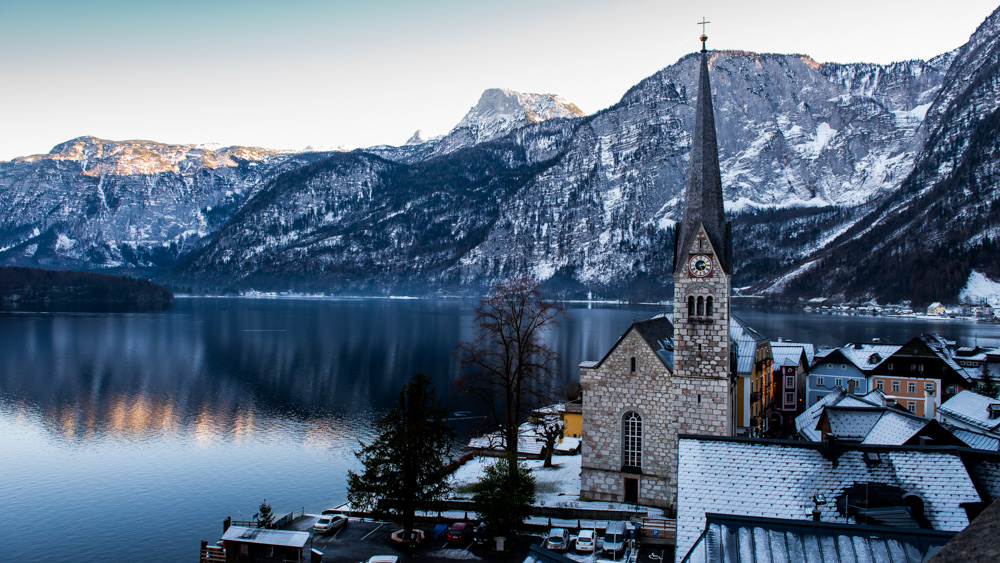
614 538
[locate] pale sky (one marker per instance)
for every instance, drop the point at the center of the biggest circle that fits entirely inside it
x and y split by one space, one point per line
331 73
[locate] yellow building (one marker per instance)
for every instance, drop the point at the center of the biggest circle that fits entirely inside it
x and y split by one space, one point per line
572 419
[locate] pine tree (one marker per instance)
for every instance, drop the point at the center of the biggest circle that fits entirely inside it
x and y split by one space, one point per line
987 383
504 496
404 467
265 517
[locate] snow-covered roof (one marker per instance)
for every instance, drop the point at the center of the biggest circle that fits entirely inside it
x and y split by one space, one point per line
805 423
712 477
971 408
264 536
851 423
867 357
786 355
895 428
808 348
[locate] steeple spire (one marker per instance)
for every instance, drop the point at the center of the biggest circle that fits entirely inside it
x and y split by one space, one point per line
703 201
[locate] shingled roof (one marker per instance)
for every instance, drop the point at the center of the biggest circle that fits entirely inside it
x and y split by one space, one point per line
703 201
787 478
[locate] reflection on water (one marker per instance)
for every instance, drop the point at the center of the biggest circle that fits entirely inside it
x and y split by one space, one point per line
162 424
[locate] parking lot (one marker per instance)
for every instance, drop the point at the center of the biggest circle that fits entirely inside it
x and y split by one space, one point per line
359 540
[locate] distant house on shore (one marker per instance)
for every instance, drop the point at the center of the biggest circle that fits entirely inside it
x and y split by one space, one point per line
261 545
936 308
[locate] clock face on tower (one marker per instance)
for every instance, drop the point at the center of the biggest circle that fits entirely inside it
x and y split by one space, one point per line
700 265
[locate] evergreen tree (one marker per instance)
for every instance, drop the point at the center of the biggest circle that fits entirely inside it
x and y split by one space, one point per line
504 496
404 467
987 383
265 517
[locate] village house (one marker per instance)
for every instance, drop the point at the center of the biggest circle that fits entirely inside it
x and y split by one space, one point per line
972 412
920 375
753 361
847 367
789 376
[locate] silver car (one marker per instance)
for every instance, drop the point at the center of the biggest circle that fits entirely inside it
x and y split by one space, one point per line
558 539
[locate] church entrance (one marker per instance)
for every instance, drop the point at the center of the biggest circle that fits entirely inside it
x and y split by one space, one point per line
631 490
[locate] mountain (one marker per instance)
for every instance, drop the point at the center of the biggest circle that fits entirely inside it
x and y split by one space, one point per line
857 180
97 204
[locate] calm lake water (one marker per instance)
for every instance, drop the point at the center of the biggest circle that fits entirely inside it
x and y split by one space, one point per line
132 436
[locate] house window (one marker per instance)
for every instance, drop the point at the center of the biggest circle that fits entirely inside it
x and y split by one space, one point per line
837 382
929 387
895 387
920 367
244 549
880 385
819 382
911 387
789 382
633 364
701 306
690 306
890 366
632 439
708 307
789 399
911 406
829 366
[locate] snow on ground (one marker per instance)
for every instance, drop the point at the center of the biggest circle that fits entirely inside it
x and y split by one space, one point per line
558 485
979 288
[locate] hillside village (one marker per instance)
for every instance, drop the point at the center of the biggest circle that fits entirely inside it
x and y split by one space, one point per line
715 442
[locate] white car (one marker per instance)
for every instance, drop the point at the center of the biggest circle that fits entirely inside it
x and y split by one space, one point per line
586 541
382 559
329 523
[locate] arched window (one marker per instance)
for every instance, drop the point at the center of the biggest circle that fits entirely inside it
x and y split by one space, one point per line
632 439
690 306
708 307
701 306
633 364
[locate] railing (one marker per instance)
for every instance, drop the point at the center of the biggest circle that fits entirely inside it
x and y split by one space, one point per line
212 553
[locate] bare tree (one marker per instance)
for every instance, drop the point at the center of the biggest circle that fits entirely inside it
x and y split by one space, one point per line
549 427
508 364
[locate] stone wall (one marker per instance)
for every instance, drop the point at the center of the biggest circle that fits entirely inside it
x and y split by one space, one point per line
609 391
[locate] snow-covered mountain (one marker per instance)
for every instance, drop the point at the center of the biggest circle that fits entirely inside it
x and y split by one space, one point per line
830 172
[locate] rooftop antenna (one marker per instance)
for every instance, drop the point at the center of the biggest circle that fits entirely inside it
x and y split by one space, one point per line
704 37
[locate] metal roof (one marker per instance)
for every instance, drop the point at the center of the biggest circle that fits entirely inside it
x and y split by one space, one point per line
264 536
851 423
747 339
737 539
975 439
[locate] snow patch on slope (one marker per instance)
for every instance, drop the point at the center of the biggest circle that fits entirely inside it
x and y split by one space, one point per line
979 288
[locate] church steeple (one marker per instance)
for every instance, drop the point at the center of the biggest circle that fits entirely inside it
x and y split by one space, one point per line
703 201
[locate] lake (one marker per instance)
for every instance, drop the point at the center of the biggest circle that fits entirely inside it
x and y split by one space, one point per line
132 436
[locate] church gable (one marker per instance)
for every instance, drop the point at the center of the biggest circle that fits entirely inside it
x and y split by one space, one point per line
656 333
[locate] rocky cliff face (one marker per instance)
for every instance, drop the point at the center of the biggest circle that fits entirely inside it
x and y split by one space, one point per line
821 166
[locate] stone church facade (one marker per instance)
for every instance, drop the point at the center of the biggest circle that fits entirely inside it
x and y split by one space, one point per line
665 378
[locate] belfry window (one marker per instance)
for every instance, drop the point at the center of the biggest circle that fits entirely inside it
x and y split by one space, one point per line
701 306
632 439
690 306
708 307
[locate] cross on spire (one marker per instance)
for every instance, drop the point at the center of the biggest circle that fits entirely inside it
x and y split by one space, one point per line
704 37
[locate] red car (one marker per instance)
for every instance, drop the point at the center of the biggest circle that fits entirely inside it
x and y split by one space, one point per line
459 532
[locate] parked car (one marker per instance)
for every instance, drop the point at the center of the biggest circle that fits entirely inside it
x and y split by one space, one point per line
329 523
481 534
382 559
586 541
614 538
558 539
459 532
439 531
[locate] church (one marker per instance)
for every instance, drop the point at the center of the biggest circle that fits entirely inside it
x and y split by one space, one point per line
668 377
